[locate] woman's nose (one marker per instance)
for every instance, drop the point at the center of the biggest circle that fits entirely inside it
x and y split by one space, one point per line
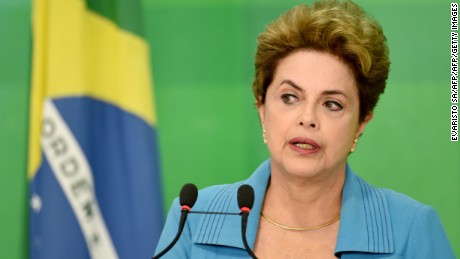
309 118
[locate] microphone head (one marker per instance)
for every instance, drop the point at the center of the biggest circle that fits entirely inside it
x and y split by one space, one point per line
188 195
245 197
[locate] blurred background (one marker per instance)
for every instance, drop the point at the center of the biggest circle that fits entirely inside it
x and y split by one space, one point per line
208 129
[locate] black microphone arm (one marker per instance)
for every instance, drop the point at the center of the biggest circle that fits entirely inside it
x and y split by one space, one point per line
187 198
215 213
245 202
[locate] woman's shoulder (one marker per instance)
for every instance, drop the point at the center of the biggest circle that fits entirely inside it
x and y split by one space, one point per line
224 196
407 212
385 205
210 197
403 208
400 204
394 221
400 201
418 226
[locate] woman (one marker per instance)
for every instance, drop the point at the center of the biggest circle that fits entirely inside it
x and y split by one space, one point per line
319 73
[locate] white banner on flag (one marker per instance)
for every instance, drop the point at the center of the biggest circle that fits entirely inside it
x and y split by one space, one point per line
74 175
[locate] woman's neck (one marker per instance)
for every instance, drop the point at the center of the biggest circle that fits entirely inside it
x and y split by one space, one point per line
304 202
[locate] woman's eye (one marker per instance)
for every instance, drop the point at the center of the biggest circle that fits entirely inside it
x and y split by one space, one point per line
333 105
288 98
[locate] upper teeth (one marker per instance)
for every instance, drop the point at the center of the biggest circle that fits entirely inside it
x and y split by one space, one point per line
304 146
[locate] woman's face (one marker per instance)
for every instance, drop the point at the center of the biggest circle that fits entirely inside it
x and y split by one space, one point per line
311 115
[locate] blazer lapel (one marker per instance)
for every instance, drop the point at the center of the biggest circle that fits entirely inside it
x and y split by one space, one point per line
365 223
225 230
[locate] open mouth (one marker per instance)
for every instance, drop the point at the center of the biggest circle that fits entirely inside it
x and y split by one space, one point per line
304 145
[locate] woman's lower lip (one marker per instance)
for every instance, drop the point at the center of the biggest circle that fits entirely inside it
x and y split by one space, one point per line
303 151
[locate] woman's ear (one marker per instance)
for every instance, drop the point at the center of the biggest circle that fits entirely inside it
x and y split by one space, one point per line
261 109
363 124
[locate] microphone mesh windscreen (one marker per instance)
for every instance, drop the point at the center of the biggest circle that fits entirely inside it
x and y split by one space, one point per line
245 196
188 195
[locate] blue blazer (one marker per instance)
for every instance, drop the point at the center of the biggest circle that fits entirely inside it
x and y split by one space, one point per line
374 223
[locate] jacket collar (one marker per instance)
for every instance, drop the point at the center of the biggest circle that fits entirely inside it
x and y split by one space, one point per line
225 230
365 224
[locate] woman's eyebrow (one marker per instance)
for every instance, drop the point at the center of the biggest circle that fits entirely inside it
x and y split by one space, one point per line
334 92
325 92
294 85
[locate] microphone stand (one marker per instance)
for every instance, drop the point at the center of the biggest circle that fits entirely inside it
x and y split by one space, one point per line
183 217
244 220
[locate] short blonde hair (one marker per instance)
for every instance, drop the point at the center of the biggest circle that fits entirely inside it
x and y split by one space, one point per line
340 28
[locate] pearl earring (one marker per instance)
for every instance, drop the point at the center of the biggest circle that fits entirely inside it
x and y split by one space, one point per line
263 136
353 148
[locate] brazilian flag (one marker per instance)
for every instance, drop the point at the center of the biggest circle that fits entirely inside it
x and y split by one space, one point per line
93 162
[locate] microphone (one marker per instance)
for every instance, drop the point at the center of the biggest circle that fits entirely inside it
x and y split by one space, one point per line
245 202
187 198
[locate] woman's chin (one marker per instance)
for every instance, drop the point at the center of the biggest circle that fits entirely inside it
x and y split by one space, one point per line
302 170
299 171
